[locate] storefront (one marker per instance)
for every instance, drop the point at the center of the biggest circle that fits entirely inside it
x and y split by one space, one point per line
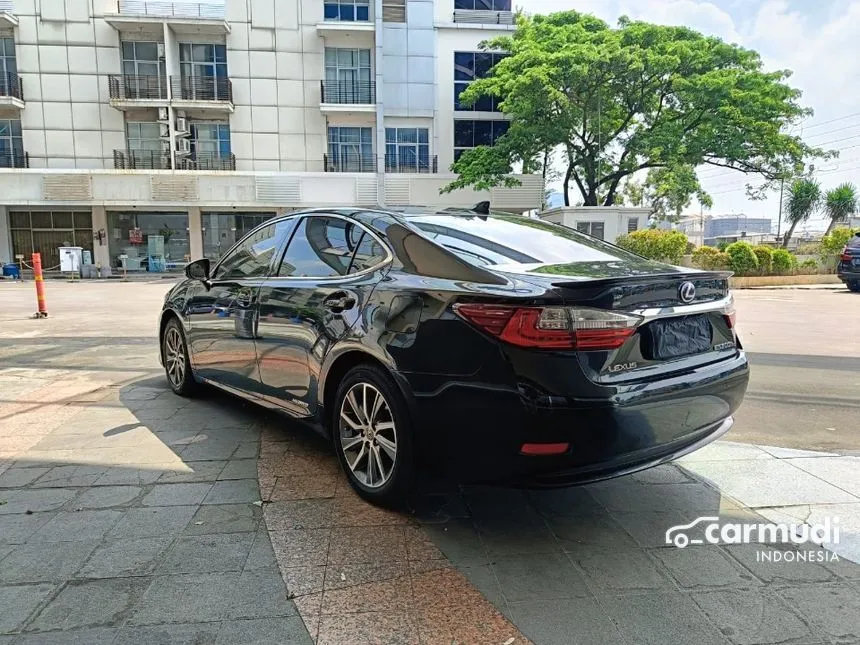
148 241
222 230
45 231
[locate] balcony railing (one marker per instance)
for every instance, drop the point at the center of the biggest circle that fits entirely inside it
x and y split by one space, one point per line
10 85
211 11
484 17
141 160
7 6
202 88
128 87
14 159
415 166
349 163
207 161
348 92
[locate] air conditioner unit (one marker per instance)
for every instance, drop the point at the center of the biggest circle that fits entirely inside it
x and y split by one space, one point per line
181 125
165 146
160 50
183 146
163 114
164 130
180 114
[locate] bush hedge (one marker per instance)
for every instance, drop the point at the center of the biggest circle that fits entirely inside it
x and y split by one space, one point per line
710 258
783 261
655 244
764 254
742 258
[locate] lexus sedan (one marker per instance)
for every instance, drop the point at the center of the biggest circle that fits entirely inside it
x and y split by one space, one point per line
848 269
486 347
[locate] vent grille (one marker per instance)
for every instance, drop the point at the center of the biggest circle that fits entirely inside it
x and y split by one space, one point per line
280 190
366 191
174 189
484 17
393 10
398 191
66 188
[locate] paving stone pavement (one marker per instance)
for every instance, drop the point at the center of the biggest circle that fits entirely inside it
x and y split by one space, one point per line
129 515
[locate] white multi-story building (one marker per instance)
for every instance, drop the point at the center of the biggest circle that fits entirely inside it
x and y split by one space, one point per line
151 133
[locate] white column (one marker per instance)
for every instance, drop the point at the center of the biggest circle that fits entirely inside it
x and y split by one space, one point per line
195 233
101 252
5 236
380 107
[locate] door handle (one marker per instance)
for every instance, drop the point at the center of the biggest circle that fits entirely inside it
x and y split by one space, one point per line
339 301
244 297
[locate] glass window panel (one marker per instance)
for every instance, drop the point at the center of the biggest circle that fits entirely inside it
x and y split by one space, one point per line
484 5
423 135
220 53
500 128
330 11
5 127
62 220
364 57
368 253
502 5
483 133
330 57
19 219
390 135
464 4
253 257
347 12
318 249
483 64
83 220
16 127
464 134
202 53
146 51
362 13
41 219
464 66
484 104
128 50
407 135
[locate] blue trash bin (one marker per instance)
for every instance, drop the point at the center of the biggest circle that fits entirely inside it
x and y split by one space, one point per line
12 271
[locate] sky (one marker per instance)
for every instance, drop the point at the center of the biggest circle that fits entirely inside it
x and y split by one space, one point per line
819 40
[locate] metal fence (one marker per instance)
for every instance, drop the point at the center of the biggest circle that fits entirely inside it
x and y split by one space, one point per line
414 166
141 160
349 163
202 88
484 17
207 161
10 85
348 92
130 87
171 9
14 159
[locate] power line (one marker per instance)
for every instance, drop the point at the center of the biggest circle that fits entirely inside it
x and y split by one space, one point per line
841 118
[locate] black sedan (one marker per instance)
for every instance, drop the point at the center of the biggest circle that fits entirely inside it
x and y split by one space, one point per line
848 269
483 347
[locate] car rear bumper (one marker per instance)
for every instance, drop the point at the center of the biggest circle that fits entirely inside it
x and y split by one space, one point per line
476 434
848 272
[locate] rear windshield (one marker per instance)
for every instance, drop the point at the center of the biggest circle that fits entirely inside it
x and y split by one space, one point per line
513 239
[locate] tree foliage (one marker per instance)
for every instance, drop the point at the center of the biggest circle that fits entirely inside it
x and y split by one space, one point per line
617 101
804 200
654 244
666 191
839 203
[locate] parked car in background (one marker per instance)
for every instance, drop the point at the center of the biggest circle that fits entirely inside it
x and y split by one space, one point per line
487 347
848 269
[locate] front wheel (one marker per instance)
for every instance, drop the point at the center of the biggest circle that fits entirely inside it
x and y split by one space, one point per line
177 365
372 433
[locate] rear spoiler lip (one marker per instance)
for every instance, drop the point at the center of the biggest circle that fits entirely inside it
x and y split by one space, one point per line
640 279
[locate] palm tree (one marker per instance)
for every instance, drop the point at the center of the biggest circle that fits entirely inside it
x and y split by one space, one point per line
839 203
804 200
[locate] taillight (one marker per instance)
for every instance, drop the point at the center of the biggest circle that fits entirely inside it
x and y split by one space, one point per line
552 327
846 257
729 313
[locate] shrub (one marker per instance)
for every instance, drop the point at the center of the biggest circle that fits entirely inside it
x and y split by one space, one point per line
666 246
743 260
808 266
783 261
710 258
764 255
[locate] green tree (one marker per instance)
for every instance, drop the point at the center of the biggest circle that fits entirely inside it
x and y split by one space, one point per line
804 200
666 191
655 244
637 97
839 203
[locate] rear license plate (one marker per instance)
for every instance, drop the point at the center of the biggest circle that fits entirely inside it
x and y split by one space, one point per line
676 337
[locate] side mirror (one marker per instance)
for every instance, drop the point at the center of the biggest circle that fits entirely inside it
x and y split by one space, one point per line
198 270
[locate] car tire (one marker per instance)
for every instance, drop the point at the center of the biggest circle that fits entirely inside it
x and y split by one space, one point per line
853 285
372 433
174 355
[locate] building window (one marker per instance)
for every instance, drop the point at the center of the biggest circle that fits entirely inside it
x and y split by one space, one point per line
632 224
11 144
469 67
393 10
347 10
350 149
210 139
8 67
407 150
222 230
144 135
483 5
143 69
471 134
348 75
155 242
204 72
594 229
45 231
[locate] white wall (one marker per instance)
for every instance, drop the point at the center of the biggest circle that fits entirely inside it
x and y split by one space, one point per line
614 220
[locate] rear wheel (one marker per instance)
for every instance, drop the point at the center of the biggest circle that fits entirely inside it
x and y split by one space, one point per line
372 433
177 366
853 285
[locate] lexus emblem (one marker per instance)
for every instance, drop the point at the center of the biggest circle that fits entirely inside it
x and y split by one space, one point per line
687 292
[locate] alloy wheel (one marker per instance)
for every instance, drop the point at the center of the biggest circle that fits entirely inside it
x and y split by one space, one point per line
174 356
368 436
